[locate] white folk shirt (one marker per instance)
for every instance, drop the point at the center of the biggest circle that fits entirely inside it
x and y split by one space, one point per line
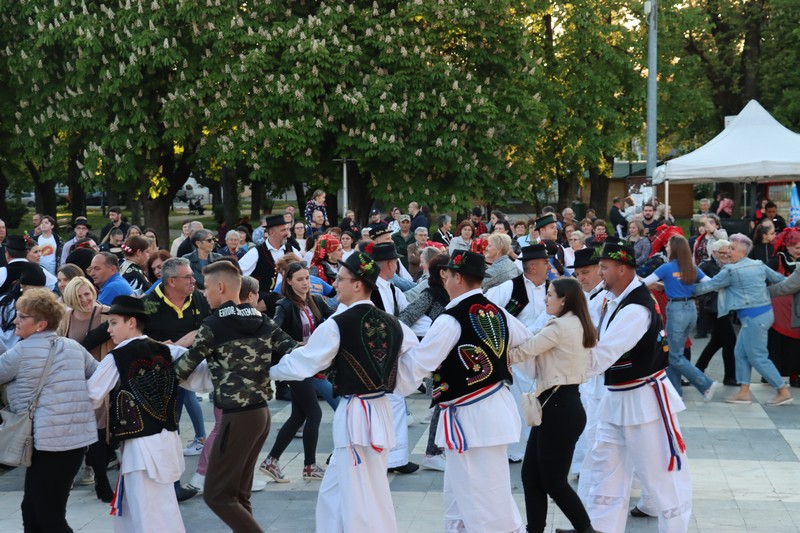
501 295
248 261
594 300
318 354
490 422
160 455
637 406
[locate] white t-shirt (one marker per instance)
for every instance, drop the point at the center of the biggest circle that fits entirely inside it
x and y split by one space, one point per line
48 246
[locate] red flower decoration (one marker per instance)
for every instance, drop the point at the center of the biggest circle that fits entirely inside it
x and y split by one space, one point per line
368 248
457 259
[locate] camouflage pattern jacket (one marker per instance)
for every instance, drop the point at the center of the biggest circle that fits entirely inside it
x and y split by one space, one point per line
238 342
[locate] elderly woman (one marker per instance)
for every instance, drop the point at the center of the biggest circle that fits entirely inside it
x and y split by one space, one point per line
231 247
202 256
64 421
83 315
745 283
502 267
641 244
575 241
415 249
465 233
722 333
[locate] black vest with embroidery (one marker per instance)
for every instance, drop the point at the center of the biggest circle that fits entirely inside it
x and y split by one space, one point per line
480 356
264 270
519 296
145 401
370 341
650 354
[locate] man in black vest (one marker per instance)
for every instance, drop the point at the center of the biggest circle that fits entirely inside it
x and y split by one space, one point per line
466 350
389 298
523 297
16 256
645 438
143 411
547 226
361 344
259 262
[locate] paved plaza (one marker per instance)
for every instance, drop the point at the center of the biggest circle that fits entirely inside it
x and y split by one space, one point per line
744 460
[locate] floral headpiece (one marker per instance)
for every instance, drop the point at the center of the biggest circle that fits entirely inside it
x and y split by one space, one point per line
325 245
788 237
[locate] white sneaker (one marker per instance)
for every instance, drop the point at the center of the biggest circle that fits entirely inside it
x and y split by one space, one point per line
434 462
709 393
88 476
195 447
197 482
258 485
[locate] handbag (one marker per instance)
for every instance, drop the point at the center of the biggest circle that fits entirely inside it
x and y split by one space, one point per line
532 408
16 431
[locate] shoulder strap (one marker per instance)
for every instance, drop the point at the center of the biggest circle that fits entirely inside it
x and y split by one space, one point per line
35 399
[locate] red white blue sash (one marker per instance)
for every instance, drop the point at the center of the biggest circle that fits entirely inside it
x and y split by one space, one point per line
360 403
453 432
658 382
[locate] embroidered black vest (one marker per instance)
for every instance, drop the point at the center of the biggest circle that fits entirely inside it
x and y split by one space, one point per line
519 296
650 354
480 356
368 349
378 301
145 401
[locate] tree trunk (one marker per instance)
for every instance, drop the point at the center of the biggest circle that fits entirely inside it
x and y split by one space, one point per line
300 193
359 193
256 198
156 210
215 190
3 189
230 194
567 190
77 196
600 178
135 205
45 192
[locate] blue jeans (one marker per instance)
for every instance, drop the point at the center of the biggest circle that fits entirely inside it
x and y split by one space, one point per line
324 388
681 318
751 350
188 399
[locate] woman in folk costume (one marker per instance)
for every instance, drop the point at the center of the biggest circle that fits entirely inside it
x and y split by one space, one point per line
327 254
783 340
143 389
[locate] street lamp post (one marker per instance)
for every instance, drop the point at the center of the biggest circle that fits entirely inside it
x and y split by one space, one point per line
344 162
651 11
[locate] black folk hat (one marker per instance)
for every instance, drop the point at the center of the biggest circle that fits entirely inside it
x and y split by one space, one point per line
378 230
621 252
544 221
384 251
363 267
274 220
586 257
128 306
534 251
466 262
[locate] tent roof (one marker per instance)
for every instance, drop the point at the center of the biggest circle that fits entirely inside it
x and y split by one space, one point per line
754 147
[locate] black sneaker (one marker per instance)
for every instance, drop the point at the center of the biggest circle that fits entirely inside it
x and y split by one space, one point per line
408 468
183 493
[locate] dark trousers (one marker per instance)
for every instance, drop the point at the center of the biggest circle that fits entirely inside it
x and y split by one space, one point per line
97 457
305 408
722 336
229 478
47 484
548 457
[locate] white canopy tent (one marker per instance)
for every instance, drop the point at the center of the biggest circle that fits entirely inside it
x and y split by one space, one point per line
753 148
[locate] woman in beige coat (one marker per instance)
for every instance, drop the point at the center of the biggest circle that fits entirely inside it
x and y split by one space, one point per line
561 354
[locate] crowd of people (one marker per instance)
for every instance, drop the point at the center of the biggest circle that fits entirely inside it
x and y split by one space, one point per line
587 322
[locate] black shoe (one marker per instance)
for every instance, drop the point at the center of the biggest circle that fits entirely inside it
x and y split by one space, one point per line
794 381
685 382
104 492
764 380
730 382
638 513
408 468
514 461
184 493
422 389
